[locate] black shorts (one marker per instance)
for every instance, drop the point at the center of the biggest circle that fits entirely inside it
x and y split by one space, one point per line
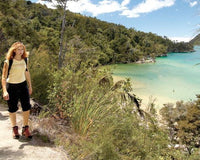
18 92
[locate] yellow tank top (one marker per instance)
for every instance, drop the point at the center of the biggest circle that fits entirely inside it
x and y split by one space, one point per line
17 71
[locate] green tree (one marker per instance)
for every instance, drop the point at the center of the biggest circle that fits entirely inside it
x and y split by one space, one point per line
63 5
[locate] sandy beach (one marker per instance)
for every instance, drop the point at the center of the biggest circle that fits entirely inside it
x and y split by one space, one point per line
146 98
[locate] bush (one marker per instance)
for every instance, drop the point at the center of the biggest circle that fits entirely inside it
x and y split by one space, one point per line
41 69
78 96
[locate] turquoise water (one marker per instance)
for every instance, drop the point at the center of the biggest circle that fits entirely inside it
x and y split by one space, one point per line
172 78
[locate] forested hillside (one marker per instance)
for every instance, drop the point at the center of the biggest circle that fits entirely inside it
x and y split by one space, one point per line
36 25
196 40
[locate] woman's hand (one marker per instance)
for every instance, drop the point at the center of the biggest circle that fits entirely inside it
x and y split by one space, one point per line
6 96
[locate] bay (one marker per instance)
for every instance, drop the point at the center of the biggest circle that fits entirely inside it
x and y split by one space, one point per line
170 79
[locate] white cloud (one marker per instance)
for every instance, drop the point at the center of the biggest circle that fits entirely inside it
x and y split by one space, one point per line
147 6
48 4
110 6
180 39
105 6
125 2
192 4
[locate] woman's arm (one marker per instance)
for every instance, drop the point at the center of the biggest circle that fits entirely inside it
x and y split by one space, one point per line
3 81
28 79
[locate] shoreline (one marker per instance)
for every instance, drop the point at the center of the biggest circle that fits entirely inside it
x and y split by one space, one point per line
146 99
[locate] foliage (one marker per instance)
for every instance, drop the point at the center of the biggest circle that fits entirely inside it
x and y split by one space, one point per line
183 123
41 70
123 135
109 125
74 90
34 24
196 40
103 116
106 123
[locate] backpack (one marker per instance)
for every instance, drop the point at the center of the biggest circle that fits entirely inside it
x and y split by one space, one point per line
11 62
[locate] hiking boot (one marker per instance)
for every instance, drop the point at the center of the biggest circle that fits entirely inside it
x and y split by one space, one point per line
26 133
15 132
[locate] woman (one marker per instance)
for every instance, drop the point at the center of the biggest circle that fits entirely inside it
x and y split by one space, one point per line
14 85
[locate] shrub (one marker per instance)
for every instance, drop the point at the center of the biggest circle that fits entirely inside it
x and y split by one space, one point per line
41 69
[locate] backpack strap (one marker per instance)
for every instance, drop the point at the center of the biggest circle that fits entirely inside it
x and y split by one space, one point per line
9 67
11 62
26 59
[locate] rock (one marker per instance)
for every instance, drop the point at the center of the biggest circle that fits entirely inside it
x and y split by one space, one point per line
162 55
36 108
149 60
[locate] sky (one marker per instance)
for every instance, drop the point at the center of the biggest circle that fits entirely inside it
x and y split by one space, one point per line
177 19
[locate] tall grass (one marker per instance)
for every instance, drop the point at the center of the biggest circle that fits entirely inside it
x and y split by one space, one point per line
90 109
106 121
80 98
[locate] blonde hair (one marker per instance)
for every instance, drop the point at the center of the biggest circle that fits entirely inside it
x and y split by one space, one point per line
11 52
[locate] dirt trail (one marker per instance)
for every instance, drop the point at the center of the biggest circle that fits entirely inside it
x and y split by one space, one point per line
35 149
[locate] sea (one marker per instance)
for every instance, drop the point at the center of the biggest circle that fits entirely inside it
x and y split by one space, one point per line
170 79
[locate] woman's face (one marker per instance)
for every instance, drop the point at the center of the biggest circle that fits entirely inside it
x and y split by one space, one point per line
19 51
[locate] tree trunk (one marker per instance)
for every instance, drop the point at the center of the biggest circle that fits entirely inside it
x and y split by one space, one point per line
60 61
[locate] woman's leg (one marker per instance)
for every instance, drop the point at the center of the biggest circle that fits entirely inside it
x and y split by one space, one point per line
26 106
14 126
25 130
25 102
12 102
12 118
26 115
